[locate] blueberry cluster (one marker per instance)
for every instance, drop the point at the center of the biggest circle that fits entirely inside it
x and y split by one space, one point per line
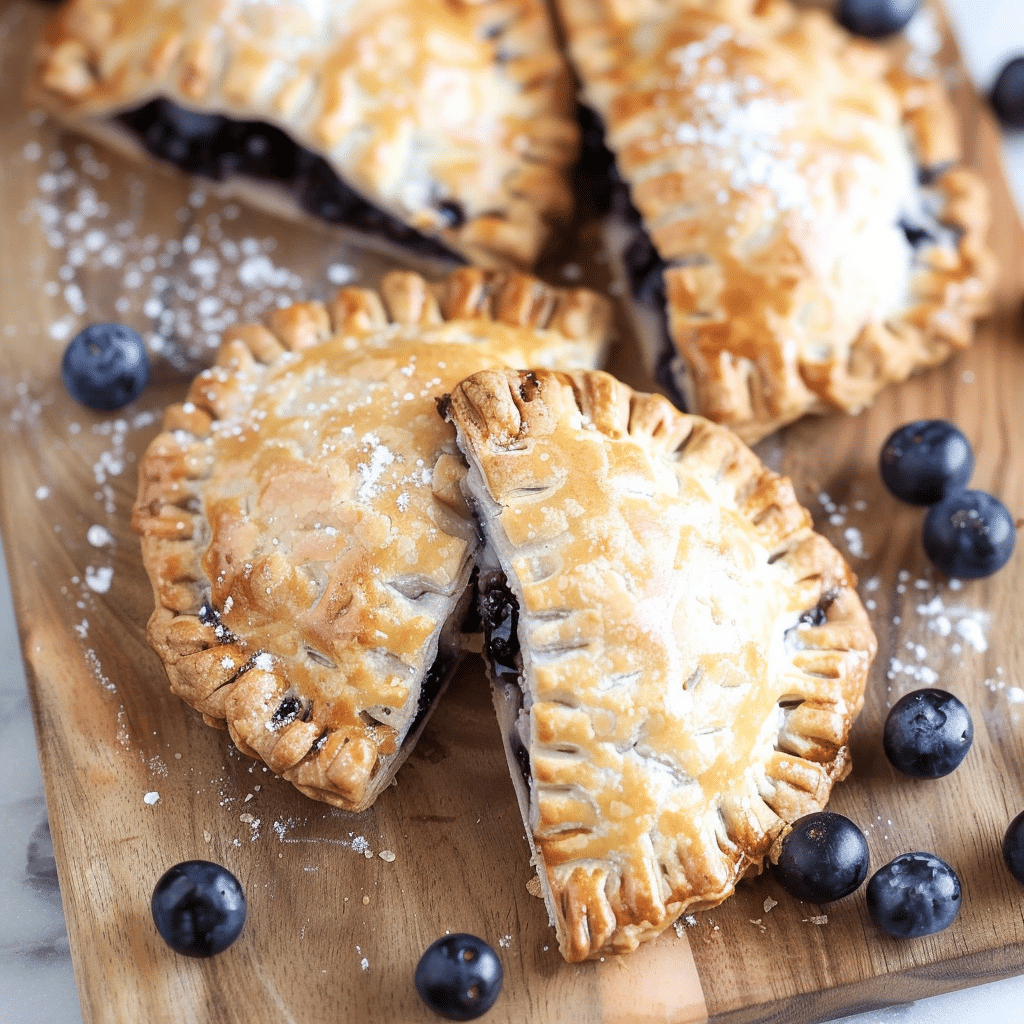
967 534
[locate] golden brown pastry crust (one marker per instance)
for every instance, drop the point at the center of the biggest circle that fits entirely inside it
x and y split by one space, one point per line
768 153
302 523
410 101
693 653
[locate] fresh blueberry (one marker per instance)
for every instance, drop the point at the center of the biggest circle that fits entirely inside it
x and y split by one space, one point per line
924 460
823 858
927 734
875 18
106 366
1013 847
459 977
1007 95
199 908
915 894
969 534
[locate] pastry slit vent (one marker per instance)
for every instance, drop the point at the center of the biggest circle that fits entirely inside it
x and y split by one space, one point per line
214 147
413 588
320 659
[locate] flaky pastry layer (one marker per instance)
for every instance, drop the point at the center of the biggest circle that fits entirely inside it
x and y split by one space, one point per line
692 654
302 523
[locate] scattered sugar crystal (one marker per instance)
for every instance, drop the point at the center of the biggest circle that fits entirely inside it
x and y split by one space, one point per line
42 492
99 536
99 579
855 542
151 798
971 631
340 273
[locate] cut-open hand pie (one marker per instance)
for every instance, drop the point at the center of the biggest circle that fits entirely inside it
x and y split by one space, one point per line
792 222
677 657
302 521
445 129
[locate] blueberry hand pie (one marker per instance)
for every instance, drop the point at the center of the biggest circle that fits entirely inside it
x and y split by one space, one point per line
789 215
302 521
442 128
676 655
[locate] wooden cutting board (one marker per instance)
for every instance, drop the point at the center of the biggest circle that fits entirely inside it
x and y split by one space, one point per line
340 906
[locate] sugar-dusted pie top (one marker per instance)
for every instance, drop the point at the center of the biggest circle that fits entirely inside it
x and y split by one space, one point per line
411 101
693 652
302 524
774 160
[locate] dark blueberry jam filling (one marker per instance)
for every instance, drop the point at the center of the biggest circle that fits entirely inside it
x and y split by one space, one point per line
209 616
499 611
814 616
213 147
434 682
596 177
287 711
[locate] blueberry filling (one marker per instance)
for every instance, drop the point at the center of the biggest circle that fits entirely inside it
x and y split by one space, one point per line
818 615
499 611
213 147
815 616
596 178
434 681
287 711
209 616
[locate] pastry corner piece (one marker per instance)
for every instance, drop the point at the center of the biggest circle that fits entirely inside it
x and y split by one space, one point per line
302 523
676 656
791 216
444 131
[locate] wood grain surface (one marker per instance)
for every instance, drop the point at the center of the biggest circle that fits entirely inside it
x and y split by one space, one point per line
135 782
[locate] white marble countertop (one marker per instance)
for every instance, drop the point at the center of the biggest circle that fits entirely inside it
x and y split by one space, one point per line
36 979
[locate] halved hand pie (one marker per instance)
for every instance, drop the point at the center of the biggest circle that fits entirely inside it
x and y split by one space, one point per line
445 129
676 656
792 221
302 522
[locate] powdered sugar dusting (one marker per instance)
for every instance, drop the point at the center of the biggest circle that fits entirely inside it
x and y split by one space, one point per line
937 624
